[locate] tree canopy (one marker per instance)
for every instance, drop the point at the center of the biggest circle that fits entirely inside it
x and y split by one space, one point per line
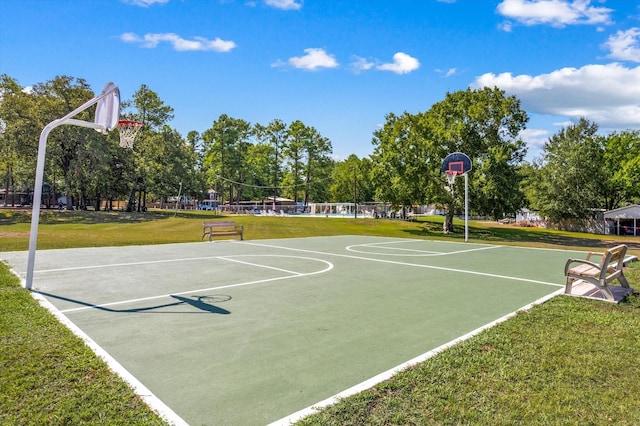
581 171
484 124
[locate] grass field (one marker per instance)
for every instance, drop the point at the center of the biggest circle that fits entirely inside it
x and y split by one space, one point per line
568 361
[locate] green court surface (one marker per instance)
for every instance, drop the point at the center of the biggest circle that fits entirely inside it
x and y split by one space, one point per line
248 333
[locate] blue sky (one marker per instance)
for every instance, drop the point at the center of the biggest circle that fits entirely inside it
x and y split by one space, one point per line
338 65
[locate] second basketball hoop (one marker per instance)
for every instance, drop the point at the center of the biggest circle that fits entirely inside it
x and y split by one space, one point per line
453 165
128 130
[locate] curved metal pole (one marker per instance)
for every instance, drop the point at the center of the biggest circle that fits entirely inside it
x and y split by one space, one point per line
42 148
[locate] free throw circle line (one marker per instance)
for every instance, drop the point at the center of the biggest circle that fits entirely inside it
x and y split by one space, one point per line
248 283
354 249
424 253
232 259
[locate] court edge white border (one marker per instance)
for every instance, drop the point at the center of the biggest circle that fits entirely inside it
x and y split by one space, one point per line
166 413
299 415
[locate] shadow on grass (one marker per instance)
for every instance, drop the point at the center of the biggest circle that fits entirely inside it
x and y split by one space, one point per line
506 234
53 217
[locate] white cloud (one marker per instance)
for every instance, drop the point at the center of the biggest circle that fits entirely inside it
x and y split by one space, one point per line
180 44
314 59
506 26
144 3
557 13
284 4
607 94
130 38
535 138
359 65
448 73
625 45
402 64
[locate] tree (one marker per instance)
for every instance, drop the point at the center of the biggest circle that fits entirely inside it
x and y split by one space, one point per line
91 176
530 175
67 145
225 152
572 176
274 135
404 161
198 186
484 124
169 164
153 147
622 168
259 165
316 149
351 180
149 108
19 129
298 136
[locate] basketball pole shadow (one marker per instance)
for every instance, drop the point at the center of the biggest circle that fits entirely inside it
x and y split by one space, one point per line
196 302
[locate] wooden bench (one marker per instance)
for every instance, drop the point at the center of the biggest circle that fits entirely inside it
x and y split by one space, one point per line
600 274
221 228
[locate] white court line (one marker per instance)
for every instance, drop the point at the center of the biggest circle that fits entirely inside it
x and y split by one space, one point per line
424 253
187 259
263 266
384 243
367 384
393 262
116 265
266 280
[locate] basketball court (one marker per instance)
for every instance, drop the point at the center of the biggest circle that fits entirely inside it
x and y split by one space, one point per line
257 332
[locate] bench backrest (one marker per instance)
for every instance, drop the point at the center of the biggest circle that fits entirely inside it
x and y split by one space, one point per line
613 260
219 224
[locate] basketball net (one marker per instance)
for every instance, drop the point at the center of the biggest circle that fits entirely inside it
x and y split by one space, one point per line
451 176
128 130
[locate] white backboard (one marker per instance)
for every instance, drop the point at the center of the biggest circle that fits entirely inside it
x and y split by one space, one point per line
108 108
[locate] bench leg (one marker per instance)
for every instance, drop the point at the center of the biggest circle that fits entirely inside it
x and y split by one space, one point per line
600 285
623 281
568 285
604 289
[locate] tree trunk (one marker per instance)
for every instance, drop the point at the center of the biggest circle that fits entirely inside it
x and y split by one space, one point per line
132 198
447 226
7 180
139 200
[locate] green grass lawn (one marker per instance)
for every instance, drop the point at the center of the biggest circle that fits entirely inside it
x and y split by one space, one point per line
49 376
567 361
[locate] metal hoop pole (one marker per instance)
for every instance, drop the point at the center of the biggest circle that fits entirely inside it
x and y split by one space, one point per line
37 190
466 208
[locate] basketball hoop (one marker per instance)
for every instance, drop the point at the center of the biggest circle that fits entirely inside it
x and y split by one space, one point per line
128 130
458 164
